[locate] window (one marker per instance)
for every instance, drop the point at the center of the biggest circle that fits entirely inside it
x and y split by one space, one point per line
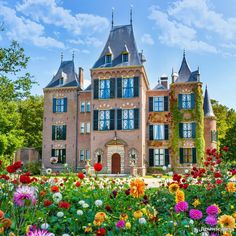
214 136
187 155
59 132
88 127
82 107
104 120
104 88
108 58
187 130
159 157
81 155
88 106
125 57
128 87
186 101
87 154
60 155
82 128
127 119
59 105
158 132
158 103
61 81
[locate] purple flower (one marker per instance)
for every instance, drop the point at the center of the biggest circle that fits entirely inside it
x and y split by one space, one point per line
195 214
212 210
181 206
25 196
39 233
120 224
211 220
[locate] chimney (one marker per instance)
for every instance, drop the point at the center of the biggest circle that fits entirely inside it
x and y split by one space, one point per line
164 81
81 77
174 76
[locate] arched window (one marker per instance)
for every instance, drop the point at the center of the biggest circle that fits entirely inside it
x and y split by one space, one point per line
98 154
133 156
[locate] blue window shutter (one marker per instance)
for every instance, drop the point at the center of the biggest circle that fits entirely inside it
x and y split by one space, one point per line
64 132
194 155
181 130
166 103
63 158
95 88
150 101
180 101
136 118
192 100
167 158
53 132
112 119
53 153
119 87
181 155
150 132
65 104
119 119
136 86
166 129
193 130
112 87
151 157
95 120
54 105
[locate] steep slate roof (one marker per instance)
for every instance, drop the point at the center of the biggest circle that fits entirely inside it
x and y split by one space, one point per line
185 74
120 38
67 72
159 86
207 107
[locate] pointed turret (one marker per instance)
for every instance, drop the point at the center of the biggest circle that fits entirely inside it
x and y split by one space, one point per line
208 111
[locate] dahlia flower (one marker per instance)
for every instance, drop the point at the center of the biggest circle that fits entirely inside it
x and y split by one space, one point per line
25 195
120 224
57 197
212 210
195 214
142 221
39 233
211 220
98 203
181 207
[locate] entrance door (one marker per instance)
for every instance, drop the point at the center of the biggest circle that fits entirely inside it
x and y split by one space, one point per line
115 164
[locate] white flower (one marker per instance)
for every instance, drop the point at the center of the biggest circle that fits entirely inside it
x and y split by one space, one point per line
191 222
60 214
195 230
85 205
142 221
186 171
57 197
164 168
48 171
169 166
98 203
170 173
80 212
81 202
65 165
44 226
65 235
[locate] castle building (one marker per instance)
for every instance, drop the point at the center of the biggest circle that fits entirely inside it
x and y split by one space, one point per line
119 120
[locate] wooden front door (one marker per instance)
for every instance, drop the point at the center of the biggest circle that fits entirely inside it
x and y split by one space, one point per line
115 164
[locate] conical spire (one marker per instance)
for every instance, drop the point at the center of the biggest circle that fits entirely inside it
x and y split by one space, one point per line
184 71
207 107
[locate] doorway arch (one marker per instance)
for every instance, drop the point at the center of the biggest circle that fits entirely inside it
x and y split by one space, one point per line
116 163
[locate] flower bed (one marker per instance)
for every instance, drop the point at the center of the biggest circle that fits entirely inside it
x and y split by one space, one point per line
203 198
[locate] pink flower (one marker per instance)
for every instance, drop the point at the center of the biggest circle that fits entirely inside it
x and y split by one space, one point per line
25 196
212 210
195 214
120 224
181 207
39 233
211 220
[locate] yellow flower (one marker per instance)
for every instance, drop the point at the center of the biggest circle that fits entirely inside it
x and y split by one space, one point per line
227 234
196 203
219 210
137 187
124 217
227 221
138 214
169 234
1 230
100 216
179 196
234 215
88 229
144 211
97 222
173 188
231 187
11 234
128 225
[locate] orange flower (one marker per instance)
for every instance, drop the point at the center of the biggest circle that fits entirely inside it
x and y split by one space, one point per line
6 223
137 187
42 193
227 221
231 187
124 217
1 214
1 230
173 188
100 216
54 188
138 214
179 196
234 215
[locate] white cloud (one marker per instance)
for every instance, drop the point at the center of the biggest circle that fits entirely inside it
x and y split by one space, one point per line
89 41
22 29
174 33
147 39
48 12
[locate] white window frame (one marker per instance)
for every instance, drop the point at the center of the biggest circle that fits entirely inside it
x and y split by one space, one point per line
158 103
159 157
81 155
82 128
88 127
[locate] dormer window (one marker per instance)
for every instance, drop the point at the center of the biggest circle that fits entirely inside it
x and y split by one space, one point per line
125 57
108 58
61 81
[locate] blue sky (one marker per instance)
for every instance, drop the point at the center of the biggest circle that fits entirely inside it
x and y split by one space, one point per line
206 29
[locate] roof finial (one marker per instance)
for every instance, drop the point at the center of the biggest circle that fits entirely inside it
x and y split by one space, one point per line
172 72
184 53
61 56
131 14
112 17
73 55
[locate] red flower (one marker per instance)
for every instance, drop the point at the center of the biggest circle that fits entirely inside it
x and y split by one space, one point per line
217 175
77 184
225 149
233 172
81 175
25 179
18 165
101 232
218 161
47 203
54 189
65 205
11 169
108 208
219 181
0 162
6 177
97 166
